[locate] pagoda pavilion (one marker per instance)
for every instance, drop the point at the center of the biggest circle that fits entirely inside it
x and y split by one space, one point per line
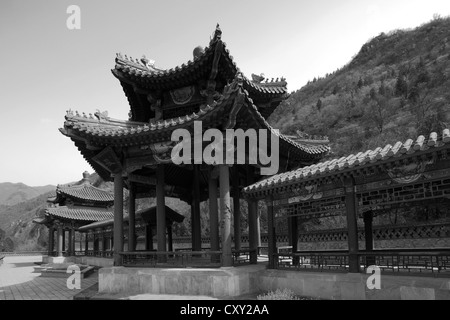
72 207
136 153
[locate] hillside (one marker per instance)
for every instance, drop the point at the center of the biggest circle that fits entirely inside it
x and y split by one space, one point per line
13 193
395 88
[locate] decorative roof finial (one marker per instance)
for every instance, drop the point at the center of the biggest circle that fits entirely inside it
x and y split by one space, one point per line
217 33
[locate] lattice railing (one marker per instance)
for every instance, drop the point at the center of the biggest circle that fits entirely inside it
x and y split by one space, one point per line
424 231
177 259
434 262
313 261
313 208
405 193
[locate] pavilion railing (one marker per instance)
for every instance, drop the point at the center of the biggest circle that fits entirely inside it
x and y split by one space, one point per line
98 253
336 261
175 259
243 256
435 262
23 253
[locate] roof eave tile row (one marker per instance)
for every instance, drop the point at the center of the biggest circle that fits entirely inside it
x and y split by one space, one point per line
87 192
134 67
80 214
315 150
100 130
272 88
353 160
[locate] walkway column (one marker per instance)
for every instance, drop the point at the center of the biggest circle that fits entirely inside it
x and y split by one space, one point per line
272 236
252 234
148 237
51 238
95 243
169 236
103 242
118 219
86 243
293 236
351 208
195 212
213 212
258 225
64 241
71 247
160 211
368 231
131 218
60 240
252 220
225 215
236 209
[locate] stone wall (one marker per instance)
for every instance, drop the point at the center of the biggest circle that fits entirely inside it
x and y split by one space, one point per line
256 279
348 286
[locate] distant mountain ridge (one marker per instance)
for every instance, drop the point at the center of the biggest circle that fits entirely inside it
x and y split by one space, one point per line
14 193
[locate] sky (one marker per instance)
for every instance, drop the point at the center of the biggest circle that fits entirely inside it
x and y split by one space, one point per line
47 68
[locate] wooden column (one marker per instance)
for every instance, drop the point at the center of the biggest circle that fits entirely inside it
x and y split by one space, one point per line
51 238
252 234
213 213
71 248
160 211
94 243
225 215
293 236
64 241
169 236
118 219
258 226
272 236
103 242
86 243
352 228
60 240
252 220
236 209
368 231
148 237
195 211
132 218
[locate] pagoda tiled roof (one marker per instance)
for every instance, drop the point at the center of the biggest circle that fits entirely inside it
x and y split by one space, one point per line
79 214
277 87
112 130
139 70
86 191
388 152
148 215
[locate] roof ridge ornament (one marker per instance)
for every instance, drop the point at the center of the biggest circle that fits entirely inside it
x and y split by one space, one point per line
101 116
217 34
258 78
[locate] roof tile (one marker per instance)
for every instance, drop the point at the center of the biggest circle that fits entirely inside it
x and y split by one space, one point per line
80 214
86 191
359 159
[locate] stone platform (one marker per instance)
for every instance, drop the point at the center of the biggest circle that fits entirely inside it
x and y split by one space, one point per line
255 279
214 282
